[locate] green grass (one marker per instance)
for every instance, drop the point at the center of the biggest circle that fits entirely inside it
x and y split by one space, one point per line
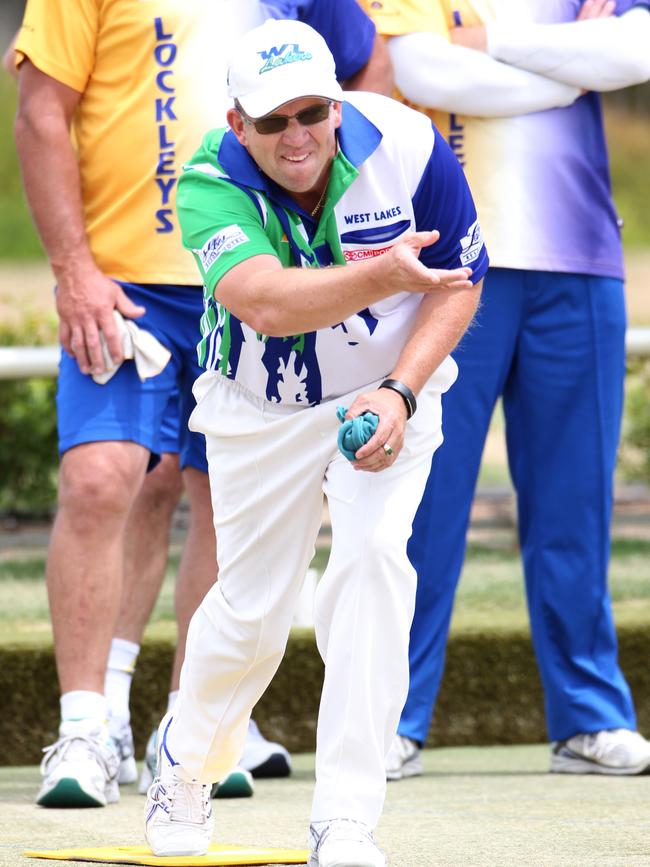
490 595
18 240
628 136
491 592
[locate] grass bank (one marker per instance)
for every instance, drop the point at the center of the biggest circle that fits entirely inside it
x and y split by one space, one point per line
490 596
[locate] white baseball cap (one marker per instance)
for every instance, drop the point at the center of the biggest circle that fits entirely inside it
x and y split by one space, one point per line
279 61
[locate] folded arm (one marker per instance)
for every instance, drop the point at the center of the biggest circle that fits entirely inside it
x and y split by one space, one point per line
433 72
599 54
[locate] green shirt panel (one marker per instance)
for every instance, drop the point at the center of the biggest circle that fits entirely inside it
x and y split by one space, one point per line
210 208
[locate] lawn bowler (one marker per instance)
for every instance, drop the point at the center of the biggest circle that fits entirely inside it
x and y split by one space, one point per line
342 261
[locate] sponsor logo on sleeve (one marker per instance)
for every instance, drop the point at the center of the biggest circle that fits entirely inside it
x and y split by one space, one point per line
471 244
221 242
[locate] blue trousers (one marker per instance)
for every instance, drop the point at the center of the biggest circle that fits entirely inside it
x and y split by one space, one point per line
552 345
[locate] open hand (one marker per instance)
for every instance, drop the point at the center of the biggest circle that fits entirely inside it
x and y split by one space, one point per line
408 274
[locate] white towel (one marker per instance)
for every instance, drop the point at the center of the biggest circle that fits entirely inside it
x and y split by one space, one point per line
149 355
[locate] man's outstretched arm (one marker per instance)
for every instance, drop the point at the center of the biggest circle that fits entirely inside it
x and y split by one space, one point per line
281 301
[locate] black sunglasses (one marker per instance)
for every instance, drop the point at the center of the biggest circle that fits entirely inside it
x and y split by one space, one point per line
273 123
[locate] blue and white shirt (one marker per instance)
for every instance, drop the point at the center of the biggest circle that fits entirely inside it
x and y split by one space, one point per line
393 174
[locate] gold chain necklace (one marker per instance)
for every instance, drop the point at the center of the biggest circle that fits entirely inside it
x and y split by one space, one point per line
319 203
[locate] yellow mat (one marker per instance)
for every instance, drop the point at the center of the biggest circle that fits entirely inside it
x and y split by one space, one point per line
218 856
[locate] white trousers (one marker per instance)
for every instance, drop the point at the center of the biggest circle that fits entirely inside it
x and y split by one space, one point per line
269 468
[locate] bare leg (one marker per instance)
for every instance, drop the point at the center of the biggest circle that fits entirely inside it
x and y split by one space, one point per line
198 567
147 546
86 555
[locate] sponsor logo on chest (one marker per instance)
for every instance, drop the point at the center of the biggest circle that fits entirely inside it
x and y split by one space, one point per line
369 233
375 216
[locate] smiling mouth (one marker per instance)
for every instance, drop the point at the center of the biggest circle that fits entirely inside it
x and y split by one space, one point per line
296 159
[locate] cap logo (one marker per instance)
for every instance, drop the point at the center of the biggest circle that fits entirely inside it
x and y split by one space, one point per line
282 55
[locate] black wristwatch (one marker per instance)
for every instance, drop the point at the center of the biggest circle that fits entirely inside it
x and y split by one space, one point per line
407 395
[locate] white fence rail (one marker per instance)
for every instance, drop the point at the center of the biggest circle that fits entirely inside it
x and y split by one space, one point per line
24 362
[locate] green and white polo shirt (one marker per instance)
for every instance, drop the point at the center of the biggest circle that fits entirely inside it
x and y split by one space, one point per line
393 174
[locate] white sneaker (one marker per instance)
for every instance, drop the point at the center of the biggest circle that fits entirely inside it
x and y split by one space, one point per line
343 843
619 752
178 815
264 758
123 740
403 759
80 769
149 766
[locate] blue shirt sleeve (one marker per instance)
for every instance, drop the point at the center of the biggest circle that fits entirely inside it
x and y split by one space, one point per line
443 201
623 6
343 24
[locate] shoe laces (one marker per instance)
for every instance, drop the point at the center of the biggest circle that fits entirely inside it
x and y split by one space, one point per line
183 802
345 830
76 744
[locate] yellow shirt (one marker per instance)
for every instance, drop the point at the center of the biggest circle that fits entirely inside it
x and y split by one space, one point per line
399 17
152 77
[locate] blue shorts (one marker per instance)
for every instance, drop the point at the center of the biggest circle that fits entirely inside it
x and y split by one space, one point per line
153 413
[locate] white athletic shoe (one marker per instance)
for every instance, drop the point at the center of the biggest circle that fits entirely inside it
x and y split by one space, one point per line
264 758
178 815
123 740
618 752
343 843
149 766
80 769
403 759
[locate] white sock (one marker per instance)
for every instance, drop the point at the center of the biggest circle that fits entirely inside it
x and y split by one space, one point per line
81 704
117 685
172 698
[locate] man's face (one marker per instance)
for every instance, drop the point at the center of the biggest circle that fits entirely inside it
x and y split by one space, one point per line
297 157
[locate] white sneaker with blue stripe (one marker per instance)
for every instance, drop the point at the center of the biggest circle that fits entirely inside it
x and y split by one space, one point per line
178 815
